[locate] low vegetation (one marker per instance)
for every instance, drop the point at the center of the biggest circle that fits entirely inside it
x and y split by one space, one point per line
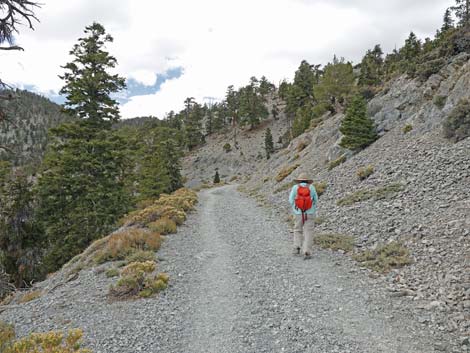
337 162
285 172
285 187
440 101
376 194
457 125
49 342
301 146
320 187
385 257
30 296
407 128
227 147
335 242
139 279
365 172
163 226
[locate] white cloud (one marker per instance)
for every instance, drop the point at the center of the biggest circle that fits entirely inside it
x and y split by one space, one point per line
218 43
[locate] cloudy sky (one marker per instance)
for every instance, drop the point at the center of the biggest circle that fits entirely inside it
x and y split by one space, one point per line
172 49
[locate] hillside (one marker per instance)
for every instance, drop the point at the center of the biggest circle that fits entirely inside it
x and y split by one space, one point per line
31 116
418 193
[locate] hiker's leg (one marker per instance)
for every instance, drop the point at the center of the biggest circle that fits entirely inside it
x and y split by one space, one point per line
308 235
298 236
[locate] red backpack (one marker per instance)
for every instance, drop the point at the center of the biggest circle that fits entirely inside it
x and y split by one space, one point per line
303 201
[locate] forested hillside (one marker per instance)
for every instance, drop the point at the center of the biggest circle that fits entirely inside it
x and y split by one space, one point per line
24 135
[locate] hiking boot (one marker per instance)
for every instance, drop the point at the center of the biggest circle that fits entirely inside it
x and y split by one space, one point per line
307 256
296 251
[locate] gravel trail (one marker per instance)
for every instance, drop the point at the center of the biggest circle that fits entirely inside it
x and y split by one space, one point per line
236 287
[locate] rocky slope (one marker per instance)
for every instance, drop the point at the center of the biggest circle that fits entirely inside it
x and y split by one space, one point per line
428 178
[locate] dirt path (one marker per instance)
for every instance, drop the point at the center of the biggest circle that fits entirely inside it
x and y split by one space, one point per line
235 287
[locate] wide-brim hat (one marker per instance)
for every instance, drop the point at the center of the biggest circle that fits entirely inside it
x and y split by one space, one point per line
303 177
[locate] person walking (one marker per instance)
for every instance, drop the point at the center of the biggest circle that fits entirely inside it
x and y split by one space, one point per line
303 199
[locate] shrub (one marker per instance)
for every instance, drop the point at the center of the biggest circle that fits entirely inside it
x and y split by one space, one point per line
320 187
335 242
440 101
385 257
285 187
49 342
163 226
365 172
216 177
30 296
285 172
407 128
376 194
227 147
141 256
319 220
301 146
137 279
457 125
122 244
337 162
112 272
429 68
234 178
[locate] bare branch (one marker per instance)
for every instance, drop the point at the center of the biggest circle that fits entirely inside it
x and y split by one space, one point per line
13 47
17 12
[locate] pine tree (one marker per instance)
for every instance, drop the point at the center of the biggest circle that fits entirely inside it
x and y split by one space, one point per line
216 177
337 84
448 21
372 67
81 189
193 116
358 129
252 107
268 143
462 11
88 84
409 54
21 238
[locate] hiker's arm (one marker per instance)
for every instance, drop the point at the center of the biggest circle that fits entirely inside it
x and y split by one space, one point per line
314 195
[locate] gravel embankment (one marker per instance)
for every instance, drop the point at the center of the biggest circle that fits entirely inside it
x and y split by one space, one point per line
235 287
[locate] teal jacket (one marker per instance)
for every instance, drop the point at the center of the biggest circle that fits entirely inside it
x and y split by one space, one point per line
313 194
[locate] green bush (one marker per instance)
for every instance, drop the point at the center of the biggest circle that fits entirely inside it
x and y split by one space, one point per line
407 128
335 242
337 162
381 193
385 257
227 147
429 68
440 101
457 125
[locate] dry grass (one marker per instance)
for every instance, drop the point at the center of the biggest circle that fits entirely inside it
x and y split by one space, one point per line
335 242
365 172
320 187
285 172
285 187
141 256
30 296
119 245
337 162
376 194
138 279
112 272
163 226
385 257
49 342
301 146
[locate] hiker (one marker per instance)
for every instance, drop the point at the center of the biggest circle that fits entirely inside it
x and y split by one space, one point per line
303 198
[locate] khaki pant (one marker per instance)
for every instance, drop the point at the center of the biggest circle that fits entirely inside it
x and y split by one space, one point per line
303 233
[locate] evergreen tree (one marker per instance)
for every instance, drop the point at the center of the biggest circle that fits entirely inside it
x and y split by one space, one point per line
409 54
372 67
268 143
252 107
448 21
358 129
462 11
81 189
21 239
265 87
193 116
216 177
88 85
337 84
